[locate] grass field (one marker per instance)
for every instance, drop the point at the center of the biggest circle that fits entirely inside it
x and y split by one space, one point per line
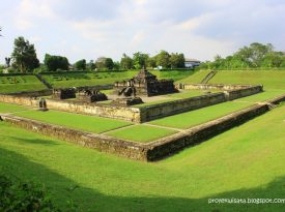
74 121
70 79
192 118
271 79
10 84
245 162
141 133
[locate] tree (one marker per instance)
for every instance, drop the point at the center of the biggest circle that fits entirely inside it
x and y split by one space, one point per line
151 62
80 65
177 60
24 55
163 59
91 65
254 54
54 62
126 62
273 59
104 63
109 64
140 59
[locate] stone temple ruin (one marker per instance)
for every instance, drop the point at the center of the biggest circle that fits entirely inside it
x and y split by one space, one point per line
90 95
84 94
66 93
144 84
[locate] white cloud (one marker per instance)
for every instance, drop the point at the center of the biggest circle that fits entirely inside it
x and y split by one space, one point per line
31 12
197 28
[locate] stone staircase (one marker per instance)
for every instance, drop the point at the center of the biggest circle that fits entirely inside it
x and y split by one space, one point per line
208 77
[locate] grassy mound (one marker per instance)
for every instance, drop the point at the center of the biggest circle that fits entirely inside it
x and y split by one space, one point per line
271 79
17 83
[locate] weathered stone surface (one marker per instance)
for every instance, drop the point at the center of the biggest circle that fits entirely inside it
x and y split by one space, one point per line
99 142
127 101
155 111
144 84
144 152
64 93
46 92
142 114
167 146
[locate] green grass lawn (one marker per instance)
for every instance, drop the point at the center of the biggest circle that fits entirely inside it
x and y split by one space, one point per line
245 162
12 108
195 117
70 79
196 78
192 118
270 79
141 133
10 84
74 121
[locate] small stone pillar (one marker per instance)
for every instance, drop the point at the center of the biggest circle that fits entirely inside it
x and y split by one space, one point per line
42 105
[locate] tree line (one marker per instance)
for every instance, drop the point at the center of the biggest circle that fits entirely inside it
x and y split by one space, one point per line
24 59
255 56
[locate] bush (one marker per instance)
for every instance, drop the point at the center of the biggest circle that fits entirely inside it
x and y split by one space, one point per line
23 196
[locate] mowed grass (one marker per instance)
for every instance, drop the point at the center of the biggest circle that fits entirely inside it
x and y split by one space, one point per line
202 115
199 116
270 79
77 79
11 84
87 123
245 162
196 78
141 133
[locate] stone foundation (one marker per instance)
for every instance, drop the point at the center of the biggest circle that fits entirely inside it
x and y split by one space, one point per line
153 151
133 114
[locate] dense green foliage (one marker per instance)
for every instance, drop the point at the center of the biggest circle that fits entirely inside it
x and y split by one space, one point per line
80 65
54 63
16 195
140 60
24 55
256 55
126 62
104 64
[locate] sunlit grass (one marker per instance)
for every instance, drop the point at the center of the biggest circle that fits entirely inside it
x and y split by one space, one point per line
245 162
141 133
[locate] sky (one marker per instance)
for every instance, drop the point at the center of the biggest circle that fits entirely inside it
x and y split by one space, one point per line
88 29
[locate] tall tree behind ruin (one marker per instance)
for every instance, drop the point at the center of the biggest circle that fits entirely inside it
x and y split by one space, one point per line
24 55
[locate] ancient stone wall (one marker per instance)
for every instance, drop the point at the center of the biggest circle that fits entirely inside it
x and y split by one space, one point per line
124 113
138 115
242 92
152 112
28 101
167 146
46 92
144 152
94 141
214 86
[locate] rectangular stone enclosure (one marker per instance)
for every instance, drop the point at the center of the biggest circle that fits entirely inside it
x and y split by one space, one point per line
141 114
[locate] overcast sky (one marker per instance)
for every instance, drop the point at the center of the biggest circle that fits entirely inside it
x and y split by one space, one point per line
88 29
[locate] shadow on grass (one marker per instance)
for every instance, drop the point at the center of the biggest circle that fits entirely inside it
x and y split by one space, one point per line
47 142
64 190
